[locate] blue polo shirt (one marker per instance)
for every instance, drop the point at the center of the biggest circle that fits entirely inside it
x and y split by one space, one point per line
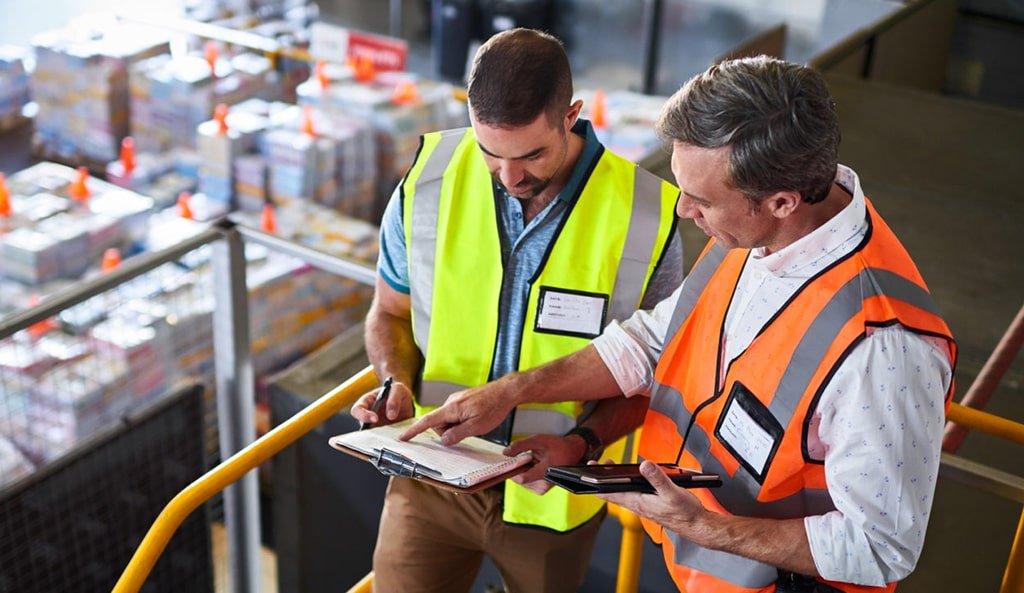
522 249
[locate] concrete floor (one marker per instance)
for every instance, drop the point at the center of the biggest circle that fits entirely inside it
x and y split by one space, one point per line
944 173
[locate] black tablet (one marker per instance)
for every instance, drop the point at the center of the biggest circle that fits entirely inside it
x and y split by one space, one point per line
625 477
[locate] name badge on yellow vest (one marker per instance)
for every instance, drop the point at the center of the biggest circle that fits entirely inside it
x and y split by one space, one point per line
570 312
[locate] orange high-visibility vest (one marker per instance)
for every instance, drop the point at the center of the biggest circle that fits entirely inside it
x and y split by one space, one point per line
777 381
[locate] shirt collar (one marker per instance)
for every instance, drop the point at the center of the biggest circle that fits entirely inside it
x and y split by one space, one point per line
811 253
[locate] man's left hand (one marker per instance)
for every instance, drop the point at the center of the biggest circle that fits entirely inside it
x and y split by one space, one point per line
670 506
547 450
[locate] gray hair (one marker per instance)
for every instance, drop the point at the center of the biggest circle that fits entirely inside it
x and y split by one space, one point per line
777 117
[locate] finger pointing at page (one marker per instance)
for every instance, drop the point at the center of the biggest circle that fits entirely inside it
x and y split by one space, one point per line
465 413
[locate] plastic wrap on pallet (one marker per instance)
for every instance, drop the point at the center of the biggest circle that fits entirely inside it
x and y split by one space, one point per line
630 119
14 92
397 120
171 97
80 83
50 236
217 151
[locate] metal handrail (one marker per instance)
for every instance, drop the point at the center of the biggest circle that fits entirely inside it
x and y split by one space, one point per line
233 468
1000 483
985 422
335 264
85 290
631 549
988 379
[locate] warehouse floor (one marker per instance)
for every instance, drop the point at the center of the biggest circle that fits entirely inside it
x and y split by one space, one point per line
944 173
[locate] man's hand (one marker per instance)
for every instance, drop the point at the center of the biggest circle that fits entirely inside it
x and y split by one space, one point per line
547 450
397 406
465 414
670 506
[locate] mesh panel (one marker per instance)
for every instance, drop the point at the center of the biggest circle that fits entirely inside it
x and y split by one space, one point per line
73 525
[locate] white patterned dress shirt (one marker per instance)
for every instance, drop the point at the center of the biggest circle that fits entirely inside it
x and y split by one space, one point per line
878 425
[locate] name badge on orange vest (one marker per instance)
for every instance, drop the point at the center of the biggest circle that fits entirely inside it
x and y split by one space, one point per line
570 312
749 431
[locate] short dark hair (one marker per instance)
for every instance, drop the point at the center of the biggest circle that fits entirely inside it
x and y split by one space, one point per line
777 117
517 75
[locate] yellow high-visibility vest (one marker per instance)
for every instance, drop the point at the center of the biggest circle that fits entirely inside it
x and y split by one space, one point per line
606 251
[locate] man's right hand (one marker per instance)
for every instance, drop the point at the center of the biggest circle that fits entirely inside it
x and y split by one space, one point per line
397 406
466 413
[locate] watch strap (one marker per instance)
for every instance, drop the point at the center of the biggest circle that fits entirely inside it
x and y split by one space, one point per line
594 447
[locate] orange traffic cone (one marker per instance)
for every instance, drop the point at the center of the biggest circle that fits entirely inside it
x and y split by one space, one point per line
111 259
321 74
38 329
5 197
184 209
598 115
78 189
406 93
365 69
220 115
210 53
268 220
307 126
128 154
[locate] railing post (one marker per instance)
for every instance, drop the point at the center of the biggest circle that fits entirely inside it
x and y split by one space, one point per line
236 405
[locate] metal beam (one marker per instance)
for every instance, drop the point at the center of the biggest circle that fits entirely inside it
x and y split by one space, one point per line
236 405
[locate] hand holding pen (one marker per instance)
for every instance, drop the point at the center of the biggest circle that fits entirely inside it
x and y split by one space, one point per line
378 402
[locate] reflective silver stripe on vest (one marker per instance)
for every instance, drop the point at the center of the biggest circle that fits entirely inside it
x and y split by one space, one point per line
728 567
826 326
541 421
644 222
739 492
527 420
434 393
423 234
694 285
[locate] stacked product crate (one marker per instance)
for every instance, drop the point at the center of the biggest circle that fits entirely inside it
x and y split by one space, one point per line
80 83
399 107
13 87
171 96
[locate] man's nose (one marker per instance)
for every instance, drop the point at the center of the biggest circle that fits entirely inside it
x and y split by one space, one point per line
685 208
511 173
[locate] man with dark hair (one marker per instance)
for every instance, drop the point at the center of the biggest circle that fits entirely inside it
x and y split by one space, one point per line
507 245
802 359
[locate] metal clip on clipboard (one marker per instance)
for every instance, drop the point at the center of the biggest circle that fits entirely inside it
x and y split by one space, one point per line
390 463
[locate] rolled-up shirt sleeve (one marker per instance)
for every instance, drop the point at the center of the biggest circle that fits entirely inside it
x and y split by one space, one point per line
631 349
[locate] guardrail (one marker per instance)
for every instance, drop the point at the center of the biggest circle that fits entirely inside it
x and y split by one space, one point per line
233 469
233 358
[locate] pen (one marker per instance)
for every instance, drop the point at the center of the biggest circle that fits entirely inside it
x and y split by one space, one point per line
378 401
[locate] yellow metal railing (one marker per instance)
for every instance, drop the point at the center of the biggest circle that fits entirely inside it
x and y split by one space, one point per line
988 423
233 468
630 549
1013 577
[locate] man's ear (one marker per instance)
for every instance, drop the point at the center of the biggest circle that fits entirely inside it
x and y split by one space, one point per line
782 204
573 114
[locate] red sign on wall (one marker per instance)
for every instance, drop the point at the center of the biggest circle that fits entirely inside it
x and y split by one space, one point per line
337 44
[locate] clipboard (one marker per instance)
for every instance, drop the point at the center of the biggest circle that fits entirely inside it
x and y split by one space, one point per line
469 466
397 465
623 477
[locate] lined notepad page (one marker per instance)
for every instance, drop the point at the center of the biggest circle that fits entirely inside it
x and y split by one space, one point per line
467 463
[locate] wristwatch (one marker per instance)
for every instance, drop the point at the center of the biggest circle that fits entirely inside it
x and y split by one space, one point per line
594 446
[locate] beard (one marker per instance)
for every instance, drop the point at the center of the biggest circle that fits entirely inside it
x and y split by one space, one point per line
529 187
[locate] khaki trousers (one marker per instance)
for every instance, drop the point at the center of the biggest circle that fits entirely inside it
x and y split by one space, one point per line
432 540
